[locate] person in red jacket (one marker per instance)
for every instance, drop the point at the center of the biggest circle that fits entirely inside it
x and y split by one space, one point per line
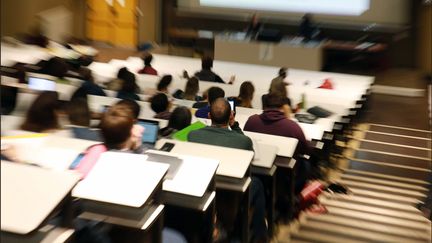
148 69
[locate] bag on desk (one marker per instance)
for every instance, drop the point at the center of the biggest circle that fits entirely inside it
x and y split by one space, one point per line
327 84
89 159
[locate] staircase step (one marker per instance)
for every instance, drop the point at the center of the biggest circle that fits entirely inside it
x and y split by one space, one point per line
383 189
400 130
368 174
401 232
389 169
373 202
384 182
349 232
393 158
390 138
385 196
379 219
370 145
311 236
376 210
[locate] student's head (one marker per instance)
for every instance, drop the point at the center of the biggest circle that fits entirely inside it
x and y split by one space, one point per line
42 114
282 72
121 72
214 93
164 82
131 104
86 75
116 126
278 86
246 91
78 112
207 62
191 89
220 112
180 118
129 82
159 103
56 67
274 101
148 59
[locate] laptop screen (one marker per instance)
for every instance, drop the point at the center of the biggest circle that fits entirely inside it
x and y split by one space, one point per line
151 131
41 84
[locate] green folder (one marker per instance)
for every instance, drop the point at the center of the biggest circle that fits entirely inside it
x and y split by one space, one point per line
183 134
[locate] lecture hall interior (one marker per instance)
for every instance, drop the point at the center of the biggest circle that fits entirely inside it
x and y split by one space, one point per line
201 121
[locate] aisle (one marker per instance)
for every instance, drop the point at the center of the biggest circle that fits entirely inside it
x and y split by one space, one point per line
386 169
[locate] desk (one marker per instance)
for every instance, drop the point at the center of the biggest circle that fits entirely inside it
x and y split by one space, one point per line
29 195
283 54
129 202
232 173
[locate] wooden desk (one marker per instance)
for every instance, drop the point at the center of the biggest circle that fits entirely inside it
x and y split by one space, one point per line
29 195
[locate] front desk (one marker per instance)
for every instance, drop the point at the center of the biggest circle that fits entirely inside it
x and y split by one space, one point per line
287 53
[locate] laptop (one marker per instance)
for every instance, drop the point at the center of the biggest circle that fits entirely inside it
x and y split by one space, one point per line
319 112
151 131
43 84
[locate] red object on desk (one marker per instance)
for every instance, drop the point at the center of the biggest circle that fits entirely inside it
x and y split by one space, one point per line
327 84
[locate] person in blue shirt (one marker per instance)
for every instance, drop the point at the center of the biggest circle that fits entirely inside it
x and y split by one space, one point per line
213 94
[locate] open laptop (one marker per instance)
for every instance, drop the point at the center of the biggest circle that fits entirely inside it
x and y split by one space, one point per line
43 84
173 162
151 131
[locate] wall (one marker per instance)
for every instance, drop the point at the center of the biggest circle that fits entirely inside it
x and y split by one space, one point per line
149 24
424 38
19 16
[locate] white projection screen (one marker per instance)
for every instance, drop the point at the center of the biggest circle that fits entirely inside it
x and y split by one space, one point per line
336 7
386 12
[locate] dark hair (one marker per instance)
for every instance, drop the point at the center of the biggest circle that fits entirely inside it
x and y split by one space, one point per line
129 82
56 67
274 101
159 102
148 59
164 82
214 93
246 94
180 118
277 86
121 72
78 112
282 72
131 104
41 115
191 89
207 62
220 112
116 125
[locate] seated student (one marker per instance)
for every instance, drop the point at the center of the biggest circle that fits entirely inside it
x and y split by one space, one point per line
190 92
277 87
88 87
148 69
244 99
203 102
79 116
56 67
137 130
164 83
42 116
180 118
219 134
213 94
161 105
129 87
206 74
116 83
116 127
274 121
